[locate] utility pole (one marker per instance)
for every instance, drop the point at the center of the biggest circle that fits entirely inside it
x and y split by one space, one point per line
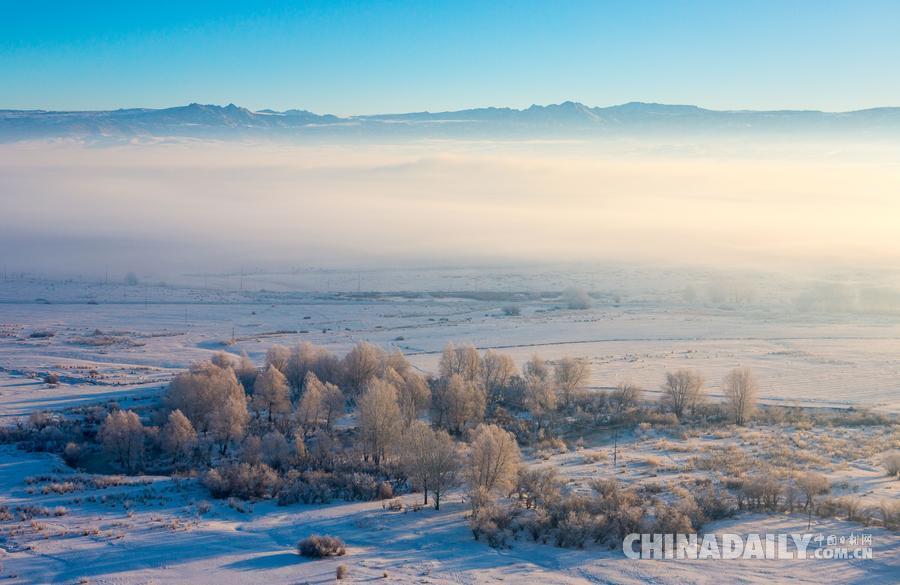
615 448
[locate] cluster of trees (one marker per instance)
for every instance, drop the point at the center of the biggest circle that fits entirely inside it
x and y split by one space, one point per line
473 386
263 431
683 392
276 414
281 431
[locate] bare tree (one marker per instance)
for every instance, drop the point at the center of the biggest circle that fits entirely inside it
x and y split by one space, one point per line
626 395
178 437
741 389
271 394
122 436
379 419
431 460
361 365
569 374
683 390
462 361
457 403
494 460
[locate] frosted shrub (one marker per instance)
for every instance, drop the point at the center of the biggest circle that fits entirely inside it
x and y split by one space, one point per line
242 480
892 463
318 547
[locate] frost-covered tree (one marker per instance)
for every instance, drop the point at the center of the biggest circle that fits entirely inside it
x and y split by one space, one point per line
278 357
276 452
178 437
271 395
307 357
122 436
245 372
457 403
494 460
252 450
540 397
222 360
538 486
812 484
413 393
201 391
497 369
361 365
396 361
431 460
460 361
229 419
379 419
333 404
740 390
311 408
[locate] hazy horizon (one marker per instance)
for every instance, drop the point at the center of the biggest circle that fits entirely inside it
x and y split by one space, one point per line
189 205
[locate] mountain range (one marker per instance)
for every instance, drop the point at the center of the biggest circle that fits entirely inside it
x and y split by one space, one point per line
568 119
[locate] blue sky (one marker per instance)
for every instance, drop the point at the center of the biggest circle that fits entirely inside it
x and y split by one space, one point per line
370 57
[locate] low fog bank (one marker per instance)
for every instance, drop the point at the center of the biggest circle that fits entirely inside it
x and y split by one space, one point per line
173 207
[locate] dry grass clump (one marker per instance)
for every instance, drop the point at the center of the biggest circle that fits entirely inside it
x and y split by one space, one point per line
595 456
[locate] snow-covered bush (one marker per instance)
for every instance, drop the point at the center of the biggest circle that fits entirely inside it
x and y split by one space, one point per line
892 463
318 546
242 480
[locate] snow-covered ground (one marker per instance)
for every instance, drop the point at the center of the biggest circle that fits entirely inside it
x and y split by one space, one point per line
161 532
115 334
112 342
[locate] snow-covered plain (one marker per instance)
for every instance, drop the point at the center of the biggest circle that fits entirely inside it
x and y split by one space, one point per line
123 343
145 333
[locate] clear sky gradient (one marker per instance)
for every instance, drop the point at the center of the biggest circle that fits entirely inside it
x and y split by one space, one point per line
371 57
